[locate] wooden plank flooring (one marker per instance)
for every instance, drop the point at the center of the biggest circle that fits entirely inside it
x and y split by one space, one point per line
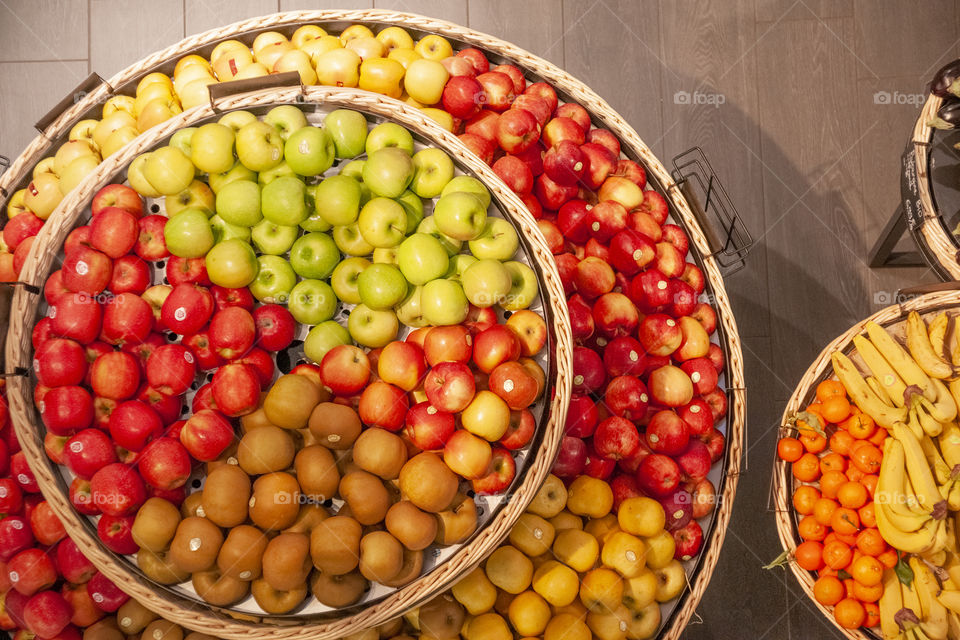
802 106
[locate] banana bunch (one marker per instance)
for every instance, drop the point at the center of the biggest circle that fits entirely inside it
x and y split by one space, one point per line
920 610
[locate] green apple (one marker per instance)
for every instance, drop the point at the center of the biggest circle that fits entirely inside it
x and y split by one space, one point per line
315 222
237 119
314 255
389 134
198 196
188 234
422 258
409 311
284 201
232 264
344 279
442 302
460 215
312 302
238 203
470 185
286 119
337 199
348 129
279 171
372 328
381 286
459 264
183 140
386 255
139 181
273 239
523 286
212 148
238 172
432 170
429 226
323 337
168 170
382 222
388 171
223 230
498 241
350 241
486 282
413 205
353 169
274 281
309 151
259 146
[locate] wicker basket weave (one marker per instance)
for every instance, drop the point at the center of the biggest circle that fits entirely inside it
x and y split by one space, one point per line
218 623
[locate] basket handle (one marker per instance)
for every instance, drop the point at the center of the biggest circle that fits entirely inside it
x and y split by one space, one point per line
79 93
728 238
933 287
223 90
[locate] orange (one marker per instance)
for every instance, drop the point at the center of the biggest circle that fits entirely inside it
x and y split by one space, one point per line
861 426
867 594
830 483
789 449
813 442
870 482
867 571
889 558
832 462
878 437
854 474
828 590
868 515
830 389
873 614
804 498
871 543
823 510
852 495
867 458
845 521
836 409
809 555
810 529
836 555
840 442
807 468
849 613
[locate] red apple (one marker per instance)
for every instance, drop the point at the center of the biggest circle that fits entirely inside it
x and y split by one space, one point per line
232 332
615 315
203 399
550 194
667 433
607 218
115 375
206 435
514 384
626 396
684 299
47 614
650 291
151 245
457 66
80 497
186 309
616 438
576 113
115 533
77 316
582 417
533 158
631 251
694 461
30 571
481 147
114 231
655 205
717 400
261 362
698 417
571 459
669 261
427 427
60 362
86 270
567 268
715 354
658 475
582 324
660 334
562 128
706 316
450 386
573 219
594 277
142 350
693 276
53 288
515 75
236 389
645 224
588 372
447 344
551 234
687 540
545 92
670 386
105 593
564 163
47 528
484 124
19 228
127 318
117 195
186 271
476 57
517 130
606 139
402 364
503 469
88 451
493 346
498 90
345 370
596 466
695 343
11 497
79 237
117 490
678 508
383 405
65 410
515 173
535 105
463 96
72 564
520 430
133 424
275 326
53 446
85 611
598 163
702 374
704 496
171 369
130 275
199 345
224 297
15 537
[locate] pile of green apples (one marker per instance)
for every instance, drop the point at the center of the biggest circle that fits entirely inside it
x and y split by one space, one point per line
344 213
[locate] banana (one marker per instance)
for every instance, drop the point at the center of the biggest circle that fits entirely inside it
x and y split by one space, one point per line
881 369
863 395
950 599
936 556
913 423
950 443
941 470
953 342
953 625
929 426
890 495
920 475
952 565
890 602
918 342
911 598
878 389
953 497
934 622
937 332
900 360
920 541
944 408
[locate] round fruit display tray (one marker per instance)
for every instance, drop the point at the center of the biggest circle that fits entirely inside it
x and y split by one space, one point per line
442 566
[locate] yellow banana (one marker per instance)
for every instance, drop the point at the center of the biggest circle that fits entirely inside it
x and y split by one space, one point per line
937 332
913 423
953 342
953 497
929 426
910 372
941 471
944 408
919 541
952 565
950 599
890 494
878 389
934 622
918 342
911 598
938 555
950 444
890 602
863 395
953 625
881 369
921 477
951 547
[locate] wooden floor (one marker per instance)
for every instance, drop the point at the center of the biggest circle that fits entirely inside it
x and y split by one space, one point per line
803 107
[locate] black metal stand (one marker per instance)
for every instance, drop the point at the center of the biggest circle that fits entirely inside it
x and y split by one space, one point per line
882 255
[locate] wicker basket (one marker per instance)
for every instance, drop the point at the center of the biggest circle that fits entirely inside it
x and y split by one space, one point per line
893 318
229 624
569 89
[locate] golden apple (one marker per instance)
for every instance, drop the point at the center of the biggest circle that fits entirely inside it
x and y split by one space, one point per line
660 549
566 520
381 75
70 151
43 195
425 80
600 528
255 70
117 103
557 583
150 93
119 139
266 39
641 516
529 614
338 68
395 38
298 61
47 165
138 181
640 591
83 130
551 499
566 626
190 74
624 553
367 47
196 93
434 47
404 56
157 111
76 171
489 626
670 581
509 569
16 204
601 589
532 534
487 416
231 62
227 47
355 31
440 116
110 124
589 497
316 48
456 524
269 55
192 60
155 77
475 592
610 625
306 33
644 622
576 548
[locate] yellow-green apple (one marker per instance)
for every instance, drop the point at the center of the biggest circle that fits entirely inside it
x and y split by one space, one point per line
460 215
314 255
381 286
345 279
389 134
70 151
259 146
428 226
309 151
388 171
168 170
350 241
434 47
382 222
305 34
442 302
348 129
76 171
523 286
211 148
273 239
409 310
468 184
467 455
337 200
239 203
432 170
422 258
237 119
286 119
324 337
486 282
395 38
232 264
284 201
459 264
275 278
498 241
312 301
372 328
187 234
267 38
109 124
238 172
298 61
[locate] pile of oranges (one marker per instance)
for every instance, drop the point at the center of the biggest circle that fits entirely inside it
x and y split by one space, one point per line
835 460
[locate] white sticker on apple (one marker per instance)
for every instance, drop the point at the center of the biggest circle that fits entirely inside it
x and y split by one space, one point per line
180 313
82 268
76 447
188 356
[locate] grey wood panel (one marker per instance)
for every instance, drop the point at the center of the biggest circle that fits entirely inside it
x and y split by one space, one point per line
539 28
43 30
711 101
296 5
812 184
900 38
125 31
614 47
452 10
19 79
203 15
776 10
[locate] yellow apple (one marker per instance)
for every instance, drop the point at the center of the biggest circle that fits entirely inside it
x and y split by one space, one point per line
196 93
434 47
367 47
305 34
566 520
395 38
489 626
83 130
47 165
76 171
155 77
406 99
625 553
355 31
556 582
644 622
550 499
111 123
576 548
266 39
119 139
151 92
440 116
601 589
137 180
590 497
425 80
70 151
509 569
566 626
192 60
16 205
381 75
43 195
529 614
487 416
456 524
404 56
670 581
660 549
532 534
226 47
157 111
610 625
298 61
467 454
641 516
316 48
230 63
600 528
640 591
190 74
339 68
269 55
254 70
475 592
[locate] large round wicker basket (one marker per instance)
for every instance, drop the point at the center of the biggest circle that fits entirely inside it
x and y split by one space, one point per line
193 613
